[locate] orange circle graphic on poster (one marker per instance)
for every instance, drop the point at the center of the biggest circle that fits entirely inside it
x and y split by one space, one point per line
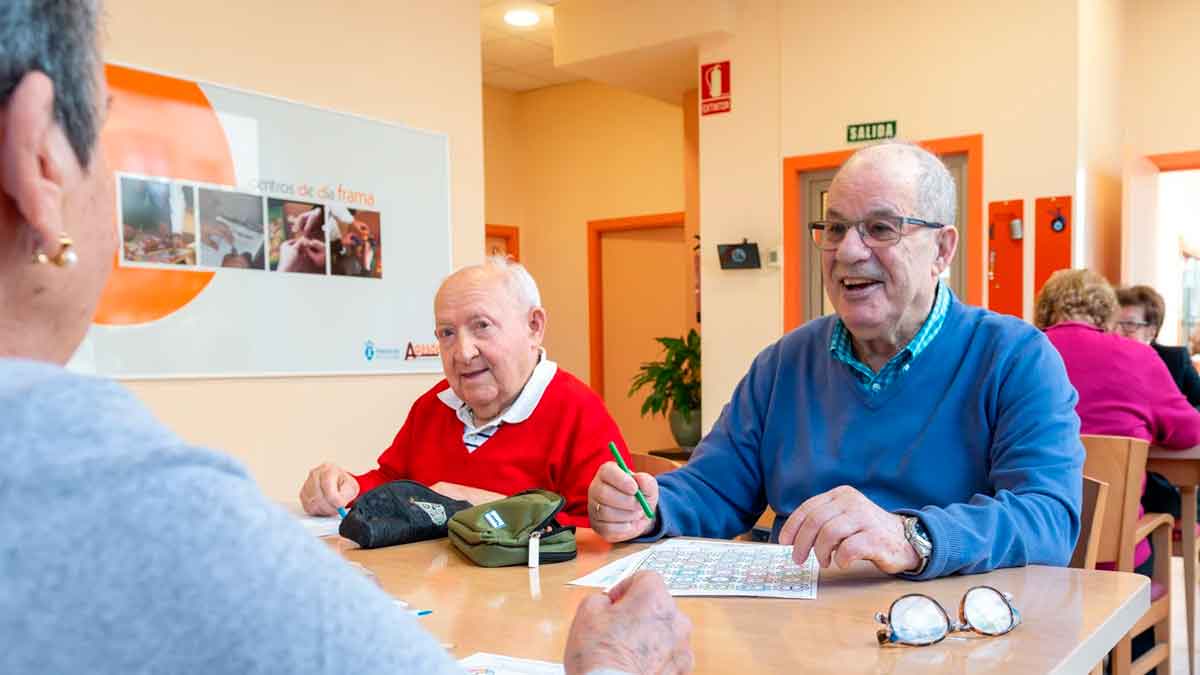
163 127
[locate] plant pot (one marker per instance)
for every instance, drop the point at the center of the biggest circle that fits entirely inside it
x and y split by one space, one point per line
685 428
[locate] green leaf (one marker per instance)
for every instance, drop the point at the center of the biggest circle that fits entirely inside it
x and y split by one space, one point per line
674 381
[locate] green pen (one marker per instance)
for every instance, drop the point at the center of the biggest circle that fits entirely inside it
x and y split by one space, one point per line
640 497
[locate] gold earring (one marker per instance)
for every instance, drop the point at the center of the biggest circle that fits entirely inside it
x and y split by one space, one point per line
66 256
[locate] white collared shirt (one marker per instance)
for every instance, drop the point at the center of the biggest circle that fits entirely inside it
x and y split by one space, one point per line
519 411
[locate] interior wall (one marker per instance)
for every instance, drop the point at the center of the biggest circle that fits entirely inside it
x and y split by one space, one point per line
504 187
799 77
590 151
412 63
1160 99
1097 226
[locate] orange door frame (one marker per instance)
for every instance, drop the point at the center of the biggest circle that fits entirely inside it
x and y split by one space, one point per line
794 226
1176 161
595 228
511 236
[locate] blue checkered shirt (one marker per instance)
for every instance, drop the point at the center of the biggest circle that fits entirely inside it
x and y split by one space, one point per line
873 382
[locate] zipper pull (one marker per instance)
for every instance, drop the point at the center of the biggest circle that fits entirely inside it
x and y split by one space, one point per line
535 541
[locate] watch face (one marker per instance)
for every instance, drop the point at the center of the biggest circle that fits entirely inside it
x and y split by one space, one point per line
915 533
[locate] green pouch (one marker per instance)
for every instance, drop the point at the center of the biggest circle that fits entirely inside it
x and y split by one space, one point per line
498 533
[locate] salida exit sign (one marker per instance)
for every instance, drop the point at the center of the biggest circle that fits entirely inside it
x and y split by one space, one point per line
870 131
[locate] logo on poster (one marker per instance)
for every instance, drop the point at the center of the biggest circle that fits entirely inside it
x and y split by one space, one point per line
372 351
416 351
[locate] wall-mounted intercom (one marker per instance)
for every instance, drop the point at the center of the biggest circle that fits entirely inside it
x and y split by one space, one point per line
743 256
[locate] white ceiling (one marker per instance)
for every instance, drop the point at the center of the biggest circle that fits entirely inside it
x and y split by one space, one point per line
519 59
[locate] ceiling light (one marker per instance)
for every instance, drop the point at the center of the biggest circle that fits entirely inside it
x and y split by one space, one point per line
521 18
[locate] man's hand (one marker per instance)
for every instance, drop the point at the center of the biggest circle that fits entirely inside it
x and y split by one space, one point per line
466 493
327 489
843 526
635 628
614 511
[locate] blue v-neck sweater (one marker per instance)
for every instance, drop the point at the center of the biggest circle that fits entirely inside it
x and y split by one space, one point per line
979 438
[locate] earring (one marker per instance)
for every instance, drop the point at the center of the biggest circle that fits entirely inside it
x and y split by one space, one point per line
66 256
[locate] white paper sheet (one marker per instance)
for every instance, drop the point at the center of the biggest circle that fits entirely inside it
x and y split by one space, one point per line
317 526
695 567
606 577
482 663
320 526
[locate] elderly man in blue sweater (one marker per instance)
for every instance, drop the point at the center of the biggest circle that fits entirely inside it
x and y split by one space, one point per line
910 430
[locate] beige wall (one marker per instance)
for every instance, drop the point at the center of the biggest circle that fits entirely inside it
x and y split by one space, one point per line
802 72
411 62
1098 182
1160 98
504 187
582 151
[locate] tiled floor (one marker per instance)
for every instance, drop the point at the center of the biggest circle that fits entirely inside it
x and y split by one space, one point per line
1178 618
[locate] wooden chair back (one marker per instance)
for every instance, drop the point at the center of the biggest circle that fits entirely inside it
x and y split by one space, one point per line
1120 462
652 464
1095 498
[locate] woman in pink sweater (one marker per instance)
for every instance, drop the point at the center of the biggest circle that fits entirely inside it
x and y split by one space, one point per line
1124 387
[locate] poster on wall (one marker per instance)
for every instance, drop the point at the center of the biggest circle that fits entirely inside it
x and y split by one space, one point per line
264 237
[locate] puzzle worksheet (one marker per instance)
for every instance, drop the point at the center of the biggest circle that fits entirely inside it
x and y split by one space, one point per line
726 568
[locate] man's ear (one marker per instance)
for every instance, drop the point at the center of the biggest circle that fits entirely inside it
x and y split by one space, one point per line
537 324
36 161
947 244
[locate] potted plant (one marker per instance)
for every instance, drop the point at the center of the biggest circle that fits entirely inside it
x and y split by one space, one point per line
674 387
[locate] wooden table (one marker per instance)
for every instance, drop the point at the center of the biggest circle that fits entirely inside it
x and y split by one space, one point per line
1071 617
1182 468
674 454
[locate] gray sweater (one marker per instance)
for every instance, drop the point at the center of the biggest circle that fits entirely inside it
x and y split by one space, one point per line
124 550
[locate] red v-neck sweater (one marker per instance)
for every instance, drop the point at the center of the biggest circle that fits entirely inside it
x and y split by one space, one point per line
559 447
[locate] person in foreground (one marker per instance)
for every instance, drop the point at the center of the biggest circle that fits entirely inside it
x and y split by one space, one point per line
1141 319
123 549
909 430
504 419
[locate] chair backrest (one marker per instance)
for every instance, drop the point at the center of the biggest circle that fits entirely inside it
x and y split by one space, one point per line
651 464
1095 498
1120 462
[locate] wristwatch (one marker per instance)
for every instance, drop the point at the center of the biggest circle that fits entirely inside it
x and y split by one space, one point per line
918 538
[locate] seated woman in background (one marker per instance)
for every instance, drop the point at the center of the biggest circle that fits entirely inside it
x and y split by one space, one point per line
1124 388
1141 317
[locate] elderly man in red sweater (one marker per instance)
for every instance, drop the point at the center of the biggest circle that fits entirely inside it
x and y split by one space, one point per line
505 419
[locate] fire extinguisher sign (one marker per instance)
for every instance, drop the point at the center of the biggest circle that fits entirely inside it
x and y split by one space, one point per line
715 87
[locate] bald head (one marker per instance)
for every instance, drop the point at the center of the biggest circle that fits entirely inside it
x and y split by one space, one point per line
931 184
883 287
500 272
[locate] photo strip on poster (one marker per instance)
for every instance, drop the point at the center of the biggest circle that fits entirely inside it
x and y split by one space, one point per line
252 237
163 223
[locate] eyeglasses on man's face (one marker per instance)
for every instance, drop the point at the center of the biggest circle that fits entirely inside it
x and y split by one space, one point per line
876 232
917 620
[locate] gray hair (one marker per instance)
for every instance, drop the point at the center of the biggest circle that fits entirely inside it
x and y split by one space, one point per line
518 279
58 38
937 198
